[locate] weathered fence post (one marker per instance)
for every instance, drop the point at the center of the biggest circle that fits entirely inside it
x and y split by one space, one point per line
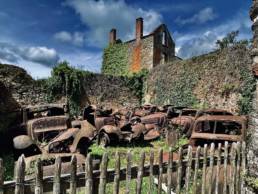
211 166
204 169
20 175
1 176
103 174
196 168
169 171
128 171
38 177
160 171
57 176
225 167
179 171
117 174
140 174
233 168
238 157
88 175
151 172
243 167
188 170
218 169
73 175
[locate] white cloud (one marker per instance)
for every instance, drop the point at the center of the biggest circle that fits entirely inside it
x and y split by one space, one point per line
203 16
76 38
85 60
193 44
41 55
100 16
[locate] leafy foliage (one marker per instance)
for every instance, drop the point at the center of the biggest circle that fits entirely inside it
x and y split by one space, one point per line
115 59
66 81
136 82
247 91
230 40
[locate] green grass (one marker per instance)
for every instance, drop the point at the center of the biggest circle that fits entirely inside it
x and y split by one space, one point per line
136 149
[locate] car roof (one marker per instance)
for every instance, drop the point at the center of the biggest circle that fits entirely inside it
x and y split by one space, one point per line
238 119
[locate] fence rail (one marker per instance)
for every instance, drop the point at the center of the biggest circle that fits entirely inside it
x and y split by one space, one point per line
203 170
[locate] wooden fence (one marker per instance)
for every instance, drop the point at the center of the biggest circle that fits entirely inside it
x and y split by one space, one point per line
203 170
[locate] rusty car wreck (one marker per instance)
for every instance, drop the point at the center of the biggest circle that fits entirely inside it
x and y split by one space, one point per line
218 129
52 132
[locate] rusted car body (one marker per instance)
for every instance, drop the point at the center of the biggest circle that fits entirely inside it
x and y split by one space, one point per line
53 134
48 163
123 125
212 111
218 129
184 121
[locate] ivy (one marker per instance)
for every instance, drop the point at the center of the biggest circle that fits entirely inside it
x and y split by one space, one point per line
247 91
136 82
66 81
115 59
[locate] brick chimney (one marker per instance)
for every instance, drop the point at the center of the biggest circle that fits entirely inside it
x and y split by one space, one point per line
112 36
139 29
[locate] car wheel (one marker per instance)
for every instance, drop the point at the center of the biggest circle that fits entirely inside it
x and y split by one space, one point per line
104 140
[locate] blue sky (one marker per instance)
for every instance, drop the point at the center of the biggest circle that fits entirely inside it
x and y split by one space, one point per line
36 34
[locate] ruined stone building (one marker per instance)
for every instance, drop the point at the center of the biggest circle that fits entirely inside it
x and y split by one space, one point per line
145 52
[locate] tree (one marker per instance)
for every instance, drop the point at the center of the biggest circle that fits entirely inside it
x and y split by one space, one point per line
228 40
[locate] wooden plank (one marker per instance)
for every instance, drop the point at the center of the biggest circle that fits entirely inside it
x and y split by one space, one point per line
225 167
38 177
188 170
233 168
88 175
179 171
160 171
20 175
211 166
73 173
1 176
169 171
128 171
103 174
238 158
151 172
196 168
117 174
243 166
204 169
140 174
218 169
57 176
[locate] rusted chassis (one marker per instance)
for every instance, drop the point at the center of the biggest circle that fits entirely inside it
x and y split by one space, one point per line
237 134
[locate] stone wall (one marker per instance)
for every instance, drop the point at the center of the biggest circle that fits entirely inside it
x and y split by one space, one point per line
140 55
214 80
23 88
253 144
100 89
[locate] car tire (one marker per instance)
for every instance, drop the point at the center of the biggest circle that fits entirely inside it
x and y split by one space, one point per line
104 139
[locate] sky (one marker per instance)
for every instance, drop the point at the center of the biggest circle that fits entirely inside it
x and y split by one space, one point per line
37 34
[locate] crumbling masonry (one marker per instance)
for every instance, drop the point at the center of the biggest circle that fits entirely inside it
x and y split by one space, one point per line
253 153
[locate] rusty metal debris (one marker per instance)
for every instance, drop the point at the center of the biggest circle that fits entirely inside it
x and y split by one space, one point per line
51 131
218 129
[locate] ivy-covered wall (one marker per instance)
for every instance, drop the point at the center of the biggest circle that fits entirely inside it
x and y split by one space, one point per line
221 79
115 59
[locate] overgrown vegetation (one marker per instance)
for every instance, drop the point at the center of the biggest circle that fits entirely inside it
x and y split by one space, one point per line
136 82
231 40
66 81
220 79
115 60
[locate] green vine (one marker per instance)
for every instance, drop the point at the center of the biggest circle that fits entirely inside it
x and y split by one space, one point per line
66 81
115 59
247 91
